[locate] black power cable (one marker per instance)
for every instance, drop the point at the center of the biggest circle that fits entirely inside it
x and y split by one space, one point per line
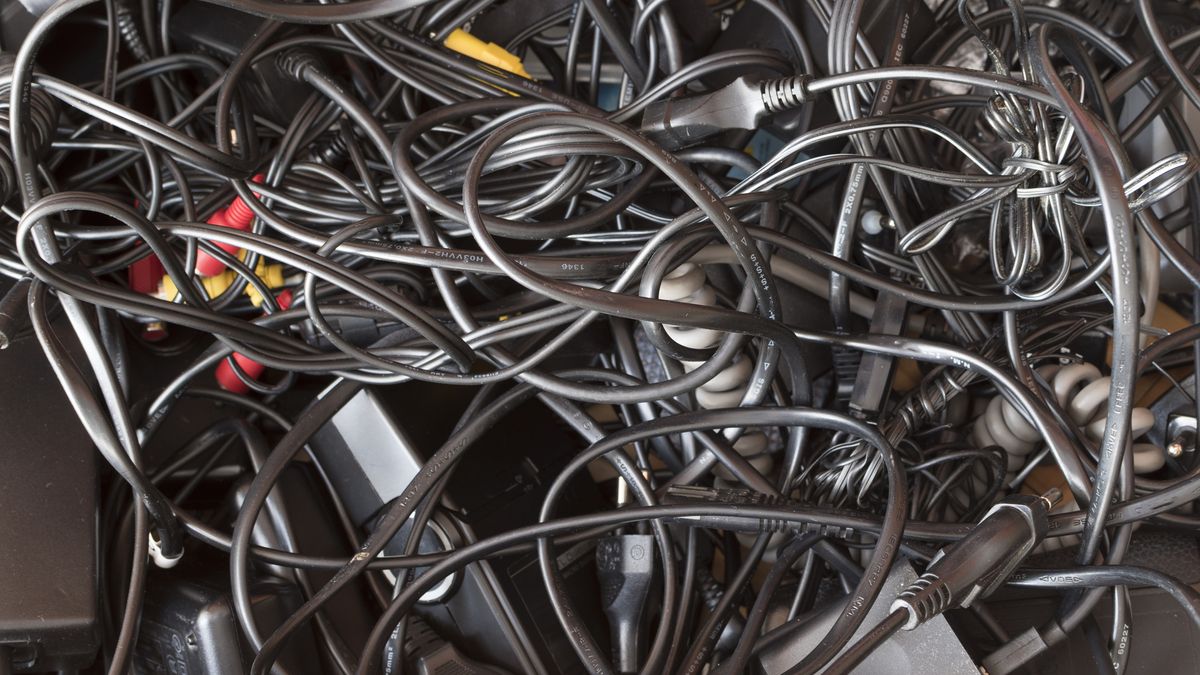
420 211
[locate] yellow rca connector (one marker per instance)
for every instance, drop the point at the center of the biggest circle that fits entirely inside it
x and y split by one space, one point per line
270 273
214 285
488 52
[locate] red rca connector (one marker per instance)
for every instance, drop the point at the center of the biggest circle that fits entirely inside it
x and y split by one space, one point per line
227 379
144 276
237 216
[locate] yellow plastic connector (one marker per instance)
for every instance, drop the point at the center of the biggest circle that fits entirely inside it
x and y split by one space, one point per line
270 273
214 285
488 52
272 276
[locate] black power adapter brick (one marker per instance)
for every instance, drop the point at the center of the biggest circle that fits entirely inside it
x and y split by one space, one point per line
221 32
48 507
496 611
189 625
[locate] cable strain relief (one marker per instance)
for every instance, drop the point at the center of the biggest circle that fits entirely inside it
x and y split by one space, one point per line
902 605
131 35
163 559
785 93
833 531
296 62
772 526
924 599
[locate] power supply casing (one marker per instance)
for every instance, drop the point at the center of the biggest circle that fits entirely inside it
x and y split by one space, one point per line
48 520
497 609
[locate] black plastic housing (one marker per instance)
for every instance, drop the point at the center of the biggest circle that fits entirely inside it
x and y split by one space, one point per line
221 32
497 611
48 520
189 625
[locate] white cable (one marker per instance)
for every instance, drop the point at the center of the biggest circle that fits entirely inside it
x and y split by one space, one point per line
1083 393
687 283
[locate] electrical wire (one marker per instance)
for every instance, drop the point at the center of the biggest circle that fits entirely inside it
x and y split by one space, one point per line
935 219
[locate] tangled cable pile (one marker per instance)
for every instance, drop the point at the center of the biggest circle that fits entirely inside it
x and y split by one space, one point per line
856 284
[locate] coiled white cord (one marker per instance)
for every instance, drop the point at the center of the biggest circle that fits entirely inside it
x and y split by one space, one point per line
687 283
1083 393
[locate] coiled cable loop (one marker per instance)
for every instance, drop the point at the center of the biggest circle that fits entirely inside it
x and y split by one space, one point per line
1082 392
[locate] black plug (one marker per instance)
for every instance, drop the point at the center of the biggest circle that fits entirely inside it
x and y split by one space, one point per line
625 564
977 564
699 495
427 653
676 123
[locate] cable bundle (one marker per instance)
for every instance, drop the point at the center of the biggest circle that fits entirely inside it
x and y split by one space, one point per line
825 280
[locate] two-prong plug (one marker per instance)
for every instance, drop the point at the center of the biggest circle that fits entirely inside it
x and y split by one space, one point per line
976 565
742 104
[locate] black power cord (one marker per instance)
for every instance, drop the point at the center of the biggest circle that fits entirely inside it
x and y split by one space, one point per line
595 237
